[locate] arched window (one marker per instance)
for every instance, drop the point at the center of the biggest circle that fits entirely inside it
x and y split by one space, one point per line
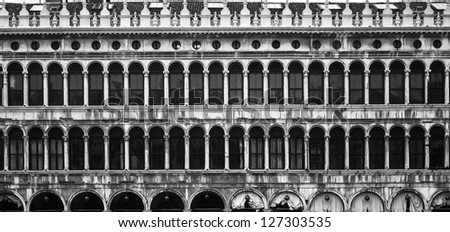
417 83
115 84
437 152
157 148
337 148
136 83
76 85
356 79
216 84
255 84
55 85
36 93
316 86
197 148
376 83
397 148
295 83
156 84
276 83
2 149
137 149
116 149
36 149
76 149
15 85
276 148
436 86
256 148
336 84
95 84
417 148
357 148
176 148
176 84
397 83
16 159
216 148
376 148
46 202
235 84
96 149
296 148
196 84
316 149
56 149
236 148
1 87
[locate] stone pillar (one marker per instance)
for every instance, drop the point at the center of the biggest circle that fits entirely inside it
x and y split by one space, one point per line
186 87
187 151
65 88
327 152
146 88
407 87
106 87
326 87
407 151
266 87
106 144
427 81
206 152
86 152
286 152
266 152
26 157
286 87
245 90
226 87
45 87
305 86
86 87
386 86
25 88
5 153
126 88
146 152
306 152
166 88
166 152
347 152
227 151
346 87
386 151
447 94
246 152
66 152
366 87
5 88
367 152
427 151
46 155
126 139
446 151
206 87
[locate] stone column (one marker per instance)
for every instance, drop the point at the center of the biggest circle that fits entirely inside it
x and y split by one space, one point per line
326 79
386 86
246 152
446 151
227 151
26 157
206 87
245 90
126 88
166 152
146 152
86 87
66 152
427 81
106 88
45 87
347 152
366 87
407 151
266 152
25 88
166 88
65 88
106 144
286 87
207 158
5 88
327 152
386 151
226 87
347 87
146 88
305 86
447 94
407 87
266 87
126 139
367 152
186 87
5 153
187 151
286 152
46 155
86 152
427 151
306 160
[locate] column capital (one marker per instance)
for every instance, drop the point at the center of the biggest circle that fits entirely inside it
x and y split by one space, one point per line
166 137
5 74
447 137
206 137
327 137
286 137
5 138
286 71
65 74
205 72
86 137
186 137
427 71
226 137
44 73
326 72
146 72
447 71
105 73
367 136
427 136
305 72
125 73
85 72
186 72
246 137
25 73
265 71
146 137
166 72
347 71
306 137
407 71
387 137
225 72
407 136
45 138
266 137
245 71
25 138
106 137
367 72
126 137
347 137
387 72
65 138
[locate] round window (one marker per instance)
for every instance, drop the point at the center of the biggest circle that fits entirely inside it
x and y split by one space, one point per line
136 45
276 44
357 44
376 44
417 44
55 45
295 44
116 45
236 44
437 44
15 46
397 44
156 45
176 45
35 45
196 45
256 44
316 44
216 44
96 45
336 44
75 45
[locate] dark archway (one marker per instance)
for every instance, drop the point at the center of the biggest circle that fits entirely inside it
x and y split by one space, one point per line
127 202
87 202
46 202
167 202
207 202
10 203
